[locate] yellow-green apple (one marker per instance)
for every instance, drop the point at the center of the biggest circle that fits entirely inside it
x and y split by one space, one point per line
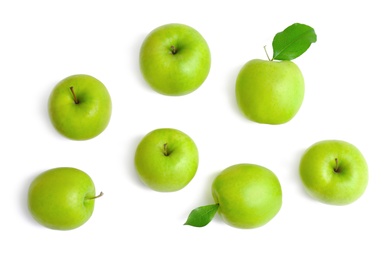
246 196
62 198
166 159
272 91
334 172
175 59
80 107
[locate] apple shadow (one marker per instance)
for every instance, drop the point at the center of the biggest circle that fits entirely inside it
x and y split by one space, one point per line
295 178
44 109
231 89
134 64
130 162
23 198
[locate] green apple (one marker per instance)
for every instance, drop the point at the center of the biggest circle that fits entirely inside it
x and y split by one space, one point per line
334 172
80 107
166 159
270 92
175 59
62 198
246 196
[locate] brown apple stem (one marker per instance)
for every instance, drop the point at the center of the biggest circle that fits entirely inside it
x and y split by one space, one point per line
173 49
336 168
266 53
97 196
166 153
76 101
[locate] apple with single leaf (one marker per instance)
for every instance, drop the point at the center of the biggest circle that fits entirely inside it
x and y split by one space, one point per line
245 195
175 59
272 91
334 172
62 198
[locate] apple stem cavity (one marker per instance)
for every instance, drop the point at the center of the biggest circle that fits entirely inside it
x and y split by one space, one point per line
166 152
173 50
266 53
97 196
336 168
76 101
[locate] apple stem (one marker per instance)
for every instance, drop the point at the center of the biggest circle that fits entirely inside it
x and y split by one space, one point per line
266 53
76 101
166 153
173 49
336 168
98 196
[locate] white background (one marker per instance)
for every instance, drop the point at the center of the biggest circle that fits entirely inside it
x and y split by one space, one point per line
346 74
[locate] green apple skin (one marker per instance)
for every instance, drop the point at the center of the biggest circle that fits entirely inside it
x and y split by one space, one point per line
334 172
248 195
178 72
87 118
61 198
166 159
270 92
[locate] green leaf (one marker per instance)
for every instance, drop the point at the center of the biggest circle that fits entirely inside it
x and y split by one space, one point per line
201 216
293 41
